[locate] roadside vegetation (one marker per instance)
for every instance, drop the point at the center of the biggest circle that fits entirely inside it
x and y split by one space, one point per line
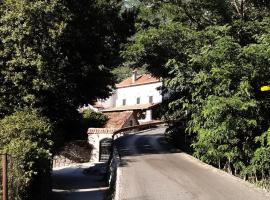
26 137
213 55
125 71
54 57
92 119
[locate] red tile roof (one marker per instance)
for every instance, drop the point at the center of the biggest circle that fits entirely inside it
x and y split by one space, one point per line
141 80
117 119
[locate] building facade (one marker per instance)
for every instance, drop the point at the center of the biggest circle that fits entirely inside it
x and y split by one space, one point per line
138 92
131 103
138 89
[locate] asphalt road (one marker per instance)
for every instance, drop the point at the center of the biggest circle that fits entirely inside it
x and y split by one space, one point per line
70 183
151 171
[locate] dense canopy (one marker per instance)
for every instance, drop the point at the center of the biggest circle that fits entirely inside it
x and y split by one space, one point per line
213 55
54 56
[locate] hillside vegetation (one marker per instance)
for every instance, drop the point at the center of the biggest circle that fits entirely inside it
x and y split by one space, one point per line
54 57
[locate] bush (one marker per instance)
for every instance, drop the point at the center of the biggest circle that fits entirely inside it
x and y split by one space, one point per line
25 136
178 136
92 119
26 125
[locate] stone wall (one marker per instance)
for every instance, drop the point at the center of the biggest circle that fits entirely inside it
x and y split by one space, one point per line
73 152
61 161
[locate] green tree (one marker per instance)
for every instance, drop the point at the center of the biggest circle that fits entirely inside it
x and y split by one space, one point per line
58 55
54 56
92 119
260 163
213 57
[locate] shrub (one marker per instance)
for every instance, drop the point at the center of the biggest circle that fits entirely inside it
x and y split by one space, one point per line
93 119
25 136
26 125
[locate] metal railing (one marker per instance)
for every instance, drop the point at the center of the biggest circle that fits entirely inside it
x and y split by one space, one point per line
138 127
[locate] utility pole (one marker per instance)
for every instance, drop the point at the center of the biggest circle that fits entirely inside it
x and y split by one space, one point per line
4 177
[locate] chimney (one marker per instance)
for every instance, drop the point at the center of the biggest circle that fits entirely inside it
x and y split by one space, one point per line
134 75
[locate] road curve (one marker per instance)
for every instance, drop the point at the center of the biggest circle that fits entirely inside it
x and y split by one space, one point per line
150 171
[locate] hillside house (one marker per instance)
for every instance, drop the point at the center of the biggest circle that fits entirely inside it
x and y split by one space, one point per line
138 93
132 102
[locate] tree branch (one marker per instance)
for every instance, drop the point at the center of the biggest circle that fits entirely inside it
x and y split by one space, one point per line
236 6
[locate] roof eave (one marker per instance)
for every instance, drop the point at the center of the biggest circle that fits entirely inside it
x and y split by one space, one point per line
137 84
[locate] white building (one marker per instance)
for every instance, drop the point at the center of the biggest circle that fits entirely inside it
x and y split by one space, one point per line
131 103
138 89
138 93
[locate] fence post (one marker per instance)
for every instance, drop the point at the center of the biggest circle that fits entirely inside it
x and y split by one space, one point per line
4 176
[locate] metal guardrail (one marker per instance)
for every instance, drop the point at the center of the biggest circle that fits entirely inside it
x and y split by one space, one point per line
138 127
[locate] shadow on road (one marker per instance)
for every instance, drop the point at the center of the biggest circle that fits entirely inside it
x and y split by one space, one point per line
142 144
86 195
72 183
152 169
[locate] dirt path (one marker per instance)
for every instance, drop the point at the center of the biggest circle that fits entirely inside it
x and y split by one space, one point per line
70 183
150 171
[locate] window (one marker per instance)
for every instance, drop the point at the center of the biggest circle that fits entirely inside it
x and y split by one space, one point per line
138 100
124 102
150 99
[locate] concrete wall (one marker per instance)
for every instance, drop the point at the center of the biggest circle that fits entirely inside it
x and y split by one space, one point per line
110 102
95 135
148 116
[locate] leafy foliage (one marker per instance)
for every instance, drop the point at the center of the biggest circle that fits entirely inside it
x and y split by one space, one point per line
213 57
92 119
124 71
25 137
18 126
58 55
54 56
